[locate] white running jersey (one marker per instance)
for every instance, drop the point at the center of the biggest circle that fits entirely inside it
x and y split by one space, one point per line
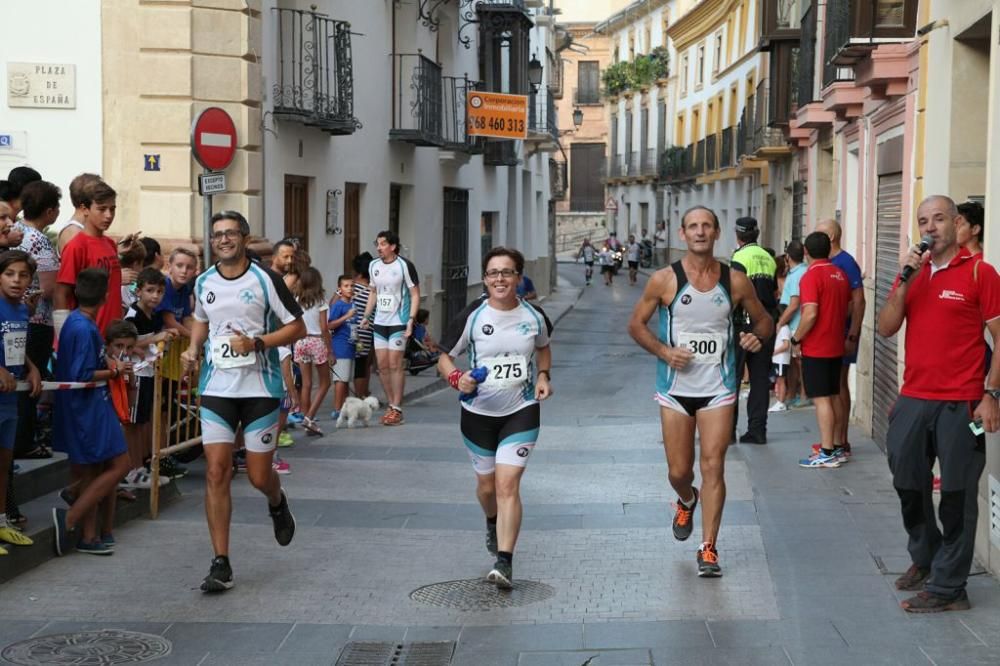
255 303
391 284
588 253
504 341
701 322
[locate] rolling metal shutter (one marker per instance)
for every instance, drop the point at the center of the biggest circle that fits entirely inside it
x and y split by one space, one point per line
887 255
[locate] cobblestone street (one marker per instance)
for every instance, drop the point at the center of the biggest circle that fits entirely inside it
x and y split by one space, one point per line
809 556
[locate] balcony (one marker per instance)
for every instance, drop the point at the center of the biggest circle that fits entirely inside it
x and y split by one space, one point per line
675 164
807 59
587 97
455 134
543 125
780 22
634 164
618 167
649 167
493 17
726 144
711 153
315 78
768 141
417 101
855 27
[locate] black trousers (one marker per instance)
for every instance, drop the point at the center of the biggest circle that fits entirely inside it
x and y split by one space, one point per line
39 351
759 366
920 432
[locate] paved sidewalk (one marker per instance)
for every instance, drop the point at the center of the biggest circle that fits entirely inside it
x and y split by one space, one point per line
809 555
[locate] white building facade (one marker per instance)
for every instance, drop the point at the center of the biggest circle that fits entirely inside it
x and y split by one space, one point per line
395 154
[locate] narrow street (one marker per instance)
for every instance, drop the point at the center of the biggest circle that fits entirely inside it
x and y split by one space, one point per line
809 556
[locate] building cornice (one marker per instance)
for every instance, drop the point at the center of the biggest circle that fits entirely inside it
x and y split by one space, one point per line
637 10
699 22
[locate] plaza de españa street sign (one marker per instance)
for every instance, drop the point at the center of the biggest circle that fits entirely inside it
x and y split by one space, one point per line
497 115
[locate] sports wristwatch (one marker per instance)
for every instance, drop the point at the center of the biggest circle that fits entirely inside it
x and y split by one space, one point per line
994 393
258 344
795 343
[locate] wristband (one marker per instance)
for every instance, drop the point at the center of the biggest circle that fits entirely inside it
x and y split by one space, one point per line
453 378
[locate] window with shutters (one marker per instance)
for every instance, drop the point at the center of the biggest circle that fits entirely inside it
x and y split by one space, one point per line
586 191
588 82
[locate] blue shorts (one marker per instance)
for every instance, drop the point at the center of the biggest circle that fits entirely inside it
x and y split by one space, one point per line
8 427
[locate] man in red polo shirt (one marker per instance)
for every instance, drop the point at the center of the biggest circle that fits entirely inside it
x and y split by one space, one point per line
942 404
824 295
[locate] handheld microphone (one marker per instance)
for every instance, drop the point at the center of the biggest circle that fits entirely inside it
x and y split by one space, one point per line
925 244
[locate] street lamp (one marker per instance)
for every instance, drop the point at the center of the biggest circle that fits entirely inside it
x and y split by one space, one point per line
577 117
535 72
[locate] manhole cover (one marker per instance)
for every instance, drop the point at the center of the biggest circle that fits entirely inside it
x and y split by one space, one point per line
480 595
88 648
426 653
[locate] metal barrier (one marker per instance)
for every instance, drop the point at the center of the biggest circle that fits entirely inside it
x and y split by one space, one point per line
175 412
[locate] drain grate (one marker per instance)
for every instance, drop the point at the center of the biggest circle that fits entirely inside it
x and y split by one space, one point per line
477 594
106 647
368 653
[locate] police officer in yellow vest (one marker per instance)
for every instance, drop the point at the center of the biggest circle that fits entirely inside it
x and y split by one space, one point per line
761 268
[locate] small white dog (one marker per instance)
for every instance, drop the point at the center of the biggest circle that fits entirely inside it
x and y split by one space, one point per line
356 409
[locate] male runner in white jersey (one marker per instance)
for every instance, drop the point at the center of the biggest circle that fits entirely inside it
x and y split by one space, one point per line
696 383
243 313
396 297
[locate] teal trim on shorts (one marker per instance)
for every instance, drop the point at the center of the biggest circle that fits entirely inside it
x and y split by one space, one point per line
208 415
264 422
526 437
479 451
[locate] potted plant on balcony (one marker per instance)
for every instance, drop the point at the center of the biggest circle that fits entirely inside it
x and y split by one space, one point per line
617 79
660 58
672 162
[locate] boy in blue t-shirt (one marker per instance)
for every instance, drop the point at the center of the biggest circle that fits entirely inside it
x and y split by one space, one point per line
86 426
342 324
177 305
16 270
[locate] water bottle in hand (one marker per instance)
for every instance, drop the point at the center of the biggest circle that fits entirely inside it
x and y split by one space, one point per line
478 375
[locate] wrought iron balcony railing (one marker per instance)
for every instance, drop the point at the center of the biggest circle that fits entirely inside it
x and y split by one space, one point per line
674 164
726 157
649 167
700 154
417 97
542 114
455 129
314 83
855 27
744 143
765 135
500 153
806 83
634 165
712 152
619 166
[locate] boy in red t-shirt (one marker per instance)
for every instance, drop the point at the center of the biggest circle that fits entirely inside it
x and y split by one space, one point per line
824 296
91 249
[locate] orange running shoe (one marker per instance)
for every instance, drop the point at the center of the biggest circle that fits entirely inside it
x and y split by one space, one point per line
684 518
708 561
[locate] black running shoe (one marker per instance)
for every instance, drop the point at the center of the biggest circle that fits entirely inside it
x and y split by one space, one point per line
220 576
491 539
684 518
284 521
708 561
502 575
63 537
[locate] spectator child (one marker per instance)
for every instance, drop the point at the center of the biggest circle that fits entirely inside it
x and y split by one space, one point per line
420 332
154 255
86 427
16 271
61 233
91 249
131 259
342 322
314 349
361 287
781 360
120 342
526 289
148 322
178 298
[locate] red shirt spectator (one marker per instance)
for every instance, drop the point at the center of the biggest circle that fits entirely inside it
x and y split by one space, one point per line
86 251
825 286
957 298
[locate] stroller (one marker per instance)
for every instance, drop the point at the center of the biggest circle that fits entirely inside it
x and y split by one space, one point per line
418 357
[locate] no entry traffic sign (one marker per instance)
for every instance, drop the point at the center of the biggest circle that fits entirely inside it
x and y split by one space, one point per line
213 139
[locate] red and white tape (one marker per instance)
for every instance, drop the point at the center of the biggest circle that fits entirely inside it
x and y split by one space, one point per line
60 386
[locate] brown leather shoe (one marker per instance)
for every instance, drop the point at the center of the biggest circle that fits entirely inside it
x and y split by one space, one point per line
926 602
913 579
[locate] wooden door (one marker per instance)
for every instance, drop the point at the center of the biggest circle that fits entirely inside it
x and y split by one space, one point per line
297 209
352 222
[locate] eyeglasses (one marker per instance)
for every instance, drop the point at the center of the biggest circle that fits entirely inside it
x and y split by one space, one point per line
228 234
506 273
